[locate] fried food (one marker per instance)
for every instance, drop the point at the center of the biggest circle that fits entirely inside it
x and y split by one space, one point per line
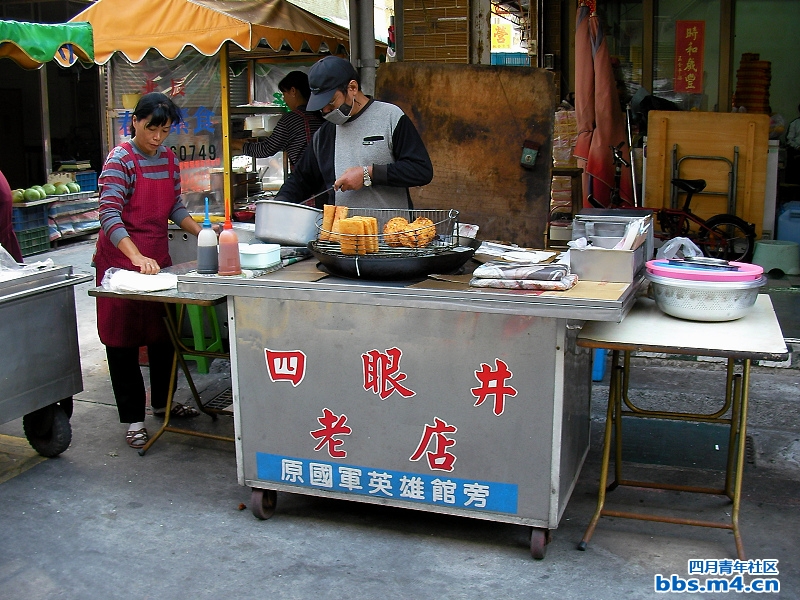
340 213
392 229
352 239
419 233
328 214
371 233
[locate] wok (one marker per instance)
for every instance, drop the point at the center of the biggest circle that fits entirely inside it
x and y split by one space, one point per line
390 268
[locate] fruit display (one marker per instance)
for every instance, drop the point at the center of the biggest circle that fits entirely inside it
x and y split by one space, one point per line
40 192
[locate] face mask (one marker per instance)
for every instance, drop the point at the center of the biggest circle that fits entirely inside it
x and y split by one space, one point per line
340 115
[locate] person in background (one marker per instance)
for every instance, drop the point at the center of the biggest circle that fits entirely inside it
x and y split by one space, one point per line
8 239
368 152
294 130
140 188
777 125
793 151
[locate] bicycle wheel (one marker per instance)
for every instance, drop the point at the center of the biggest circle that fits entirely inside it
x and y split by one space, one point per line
729 238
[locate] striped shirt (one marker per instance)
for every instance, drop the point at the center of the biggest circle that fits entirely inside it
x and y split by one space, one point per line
288 136
118 180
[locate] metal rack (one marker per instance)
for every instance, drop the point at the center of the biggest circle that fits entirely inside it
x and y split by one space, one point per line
733 174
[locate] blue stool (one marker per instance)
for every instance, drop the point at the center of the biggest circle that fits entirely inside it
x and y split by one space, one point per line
598 364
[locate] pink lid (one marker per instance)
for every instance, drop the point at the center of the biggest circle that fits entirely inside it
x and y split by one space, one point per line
744 272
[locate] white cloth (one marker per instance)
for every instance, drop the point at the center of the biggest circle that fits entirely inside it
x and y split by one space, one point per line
120 280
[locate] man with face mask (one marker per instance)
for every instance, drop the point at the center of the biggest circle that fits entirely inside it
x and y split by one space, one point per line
367 151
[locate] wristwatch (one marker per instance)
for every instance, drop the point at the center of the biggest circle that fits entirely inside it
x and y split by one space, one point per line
367 178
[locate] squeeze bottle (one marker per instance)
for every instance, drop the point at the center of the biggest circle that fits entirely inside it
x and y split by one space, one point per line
229 251
207 258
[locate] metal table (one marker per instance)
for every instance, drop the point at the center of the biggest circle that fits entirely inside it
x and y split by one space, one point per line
41 367
427 395
174 302
757 336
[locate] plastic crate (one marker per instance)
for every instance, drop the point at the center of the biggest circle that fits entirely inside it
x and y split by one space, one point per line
511 59
87 180
29 217
33 241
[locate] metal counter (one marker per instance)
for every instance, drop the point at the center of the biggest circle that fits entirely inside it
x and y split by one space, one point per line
41 368
431 396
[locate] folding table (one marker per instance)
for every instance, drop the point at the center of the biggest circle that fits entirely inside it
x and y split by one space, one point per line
756 336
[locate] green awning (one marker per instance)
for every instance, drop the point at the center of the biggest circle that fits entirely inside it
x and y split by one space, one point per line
31 45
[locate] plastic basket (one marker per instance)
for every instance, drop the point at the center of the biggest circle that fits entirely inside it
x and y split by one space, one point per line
511 59
87 180
33 241
29 217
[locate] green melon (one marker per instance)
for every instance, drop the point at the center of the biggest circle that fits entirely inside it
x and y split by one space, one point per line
31 194
49 189
62 189
73 187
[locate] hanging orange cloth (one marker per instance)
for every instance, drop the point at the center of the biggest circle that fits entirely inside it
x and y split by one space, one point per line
601 121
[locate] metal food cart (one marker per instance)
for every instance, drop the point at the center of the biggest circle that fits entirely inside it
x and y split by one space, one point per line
41 366
426 395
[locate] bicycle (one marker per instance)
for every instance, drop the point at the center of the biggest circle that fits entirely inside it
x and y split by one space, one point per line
722 236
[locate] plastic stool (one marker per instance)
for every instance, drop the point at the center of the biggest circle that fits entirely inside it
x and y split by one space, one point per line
598 364
778 254
199 341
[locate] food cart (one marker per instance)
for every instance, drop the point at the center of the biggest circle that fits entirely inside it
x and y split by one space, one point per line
41 368
429 395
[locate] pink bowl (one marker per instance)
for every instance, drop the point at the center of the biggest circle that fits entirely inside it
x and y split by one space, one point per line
744 272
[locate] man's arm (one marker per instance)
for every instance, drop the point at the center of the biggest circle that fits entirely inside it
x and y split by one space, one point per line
278 140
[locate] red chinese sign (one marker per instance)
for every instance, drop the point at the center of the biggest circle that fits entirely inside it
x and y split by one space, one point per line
440 459
286 365
382 373
493 383
690 37
332 424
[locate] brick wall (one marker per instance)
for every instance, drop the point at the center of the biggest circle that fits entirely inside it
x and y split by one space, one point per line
436 31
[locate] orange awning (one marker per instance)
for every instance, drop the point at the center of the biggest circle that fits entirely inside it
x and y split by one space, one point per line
132 27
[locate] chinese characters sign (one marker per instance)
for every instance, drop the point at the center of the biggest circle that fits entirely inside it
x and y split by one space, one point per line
689 52
501 36
382 483
431 442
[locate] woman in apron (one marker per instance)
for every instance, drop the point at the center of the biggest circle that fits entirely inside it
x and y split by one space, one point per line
139 193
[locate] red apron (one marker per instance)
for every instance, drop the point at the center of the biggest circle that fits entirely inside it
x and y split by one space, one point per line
134 323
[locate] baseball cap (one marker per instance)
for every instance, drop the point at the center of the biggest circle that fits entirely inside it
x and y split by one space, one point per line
325 77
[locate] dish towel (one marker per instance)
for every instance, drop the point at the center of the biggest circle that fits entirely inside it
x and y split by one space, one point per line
121 280
523 276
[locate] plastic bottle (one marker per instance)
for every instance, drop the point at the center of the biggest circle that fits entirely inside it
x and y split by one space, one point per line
207 253
229 251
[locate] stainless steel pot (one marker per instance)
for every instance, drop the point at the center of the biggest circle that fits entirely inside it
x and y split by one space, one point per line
286 223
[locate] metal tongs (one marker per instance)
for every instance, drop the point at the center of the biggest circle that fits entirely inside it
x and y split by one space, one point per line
310 201
704 262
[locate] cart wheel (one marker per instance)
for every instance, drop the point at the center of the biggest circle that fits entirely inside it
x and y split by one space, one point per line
48 430
262 503
66 405
539 540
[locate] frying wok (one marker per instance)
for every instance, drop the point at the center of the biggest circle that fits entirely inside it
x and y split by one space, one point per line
395 268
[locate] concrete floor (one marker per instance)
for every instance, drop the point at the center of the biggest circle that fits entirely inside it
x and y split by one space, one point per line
102 522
